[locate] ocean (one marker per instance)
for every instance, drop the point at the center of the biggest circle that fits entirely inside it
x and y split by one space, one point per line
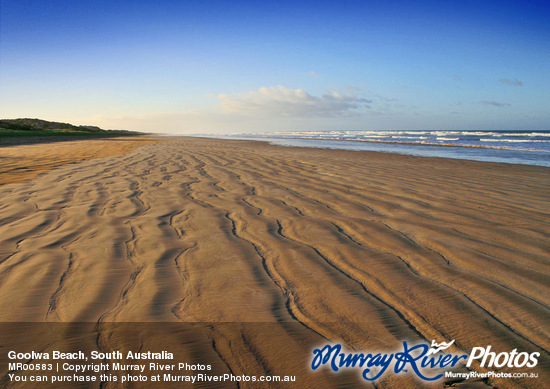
518 147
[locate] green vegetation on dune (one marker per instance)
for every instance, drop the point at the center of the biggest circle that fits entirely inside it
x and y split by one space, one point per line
22 128
11 133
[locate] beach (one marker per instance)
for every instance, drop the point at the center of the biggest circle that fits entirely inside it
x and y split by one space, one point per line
21 162
264 252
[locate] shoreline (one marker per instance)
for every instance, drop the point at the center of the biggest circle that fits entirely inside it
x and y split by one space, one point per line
412 148
373 152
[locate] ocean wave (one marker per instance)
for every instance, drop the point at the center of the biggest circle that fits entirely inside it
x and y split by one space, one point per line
421 143
515 140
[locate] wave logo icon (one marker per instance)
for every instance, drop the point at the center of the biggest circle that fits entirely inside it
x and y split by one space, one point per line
435 348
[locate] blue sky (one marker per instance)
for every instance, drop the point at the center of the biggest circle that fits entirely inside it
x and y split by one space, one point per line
220 66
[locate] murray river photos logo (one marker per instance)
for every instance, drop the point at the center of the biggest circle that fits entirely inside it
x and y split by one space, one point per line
423 360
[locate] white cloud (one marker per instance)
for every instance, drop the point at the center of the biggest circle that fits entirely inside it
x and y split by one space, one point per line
514 82
495 103
280 101
265 109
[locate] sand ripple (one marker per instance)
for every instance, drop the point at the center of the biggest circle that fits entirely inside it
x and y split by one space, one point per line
366 249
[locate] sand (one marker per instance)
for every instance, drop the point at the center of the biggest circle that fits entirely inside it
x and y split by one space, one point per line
22 162
289 248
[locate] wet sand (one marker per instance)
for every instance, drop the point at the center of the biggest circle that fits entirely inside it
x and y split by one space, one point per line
367 249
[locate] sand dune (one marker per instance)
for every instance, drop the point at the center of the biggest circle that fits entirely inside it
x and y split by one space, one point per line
289 248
